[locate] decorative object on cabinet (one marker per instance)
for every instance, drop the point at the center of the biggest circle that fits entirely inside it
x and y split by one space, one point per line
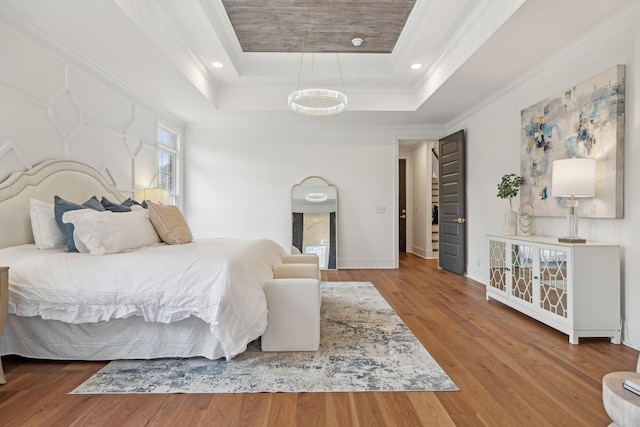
508 188
586 120
525 218
573 178
574 288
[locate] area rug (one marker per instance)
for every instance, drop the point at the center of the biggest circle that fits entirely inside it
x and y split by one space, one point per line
364 346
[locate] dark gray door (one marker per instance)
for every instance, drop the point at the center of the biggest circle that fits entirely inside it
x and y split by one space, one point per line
402 203
297 220
452 225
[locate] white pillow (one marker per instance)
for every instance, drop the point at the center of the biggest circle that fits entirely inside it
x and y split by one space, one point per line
46 232
106 232
139 208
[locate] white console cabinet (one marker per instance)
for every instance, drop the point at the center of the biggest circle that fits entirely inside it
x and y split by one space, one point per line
572 287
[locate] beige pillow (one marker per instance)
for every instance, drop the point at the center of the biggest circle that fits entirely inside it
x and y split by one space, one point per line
169 223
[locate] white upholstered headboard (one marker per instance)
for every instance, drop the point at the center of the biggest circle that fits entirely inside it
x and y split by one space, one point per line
70 180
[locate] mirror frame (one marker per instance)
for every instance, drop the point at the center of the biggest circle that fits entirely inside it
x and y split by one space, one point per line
333 223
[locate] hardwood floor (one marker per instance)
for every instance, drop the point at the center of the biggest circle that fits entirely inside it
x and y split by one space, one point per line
511 371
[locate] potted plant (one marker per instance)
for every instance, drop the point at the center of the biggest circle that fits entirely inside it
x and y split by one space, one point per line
508 188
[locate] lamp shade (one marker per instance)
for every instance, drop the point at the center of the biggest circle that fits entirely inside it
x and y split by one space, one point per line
573 177
157 195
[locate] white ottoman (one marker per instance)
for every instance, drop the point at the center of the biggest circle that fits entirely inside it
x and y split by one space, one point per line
293 322
301 258
296 271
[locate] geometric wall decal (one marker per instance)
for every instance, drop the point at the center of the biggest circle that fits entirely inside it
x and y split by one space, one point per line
133 139
76 113
65 114
107 174
10 146
584 121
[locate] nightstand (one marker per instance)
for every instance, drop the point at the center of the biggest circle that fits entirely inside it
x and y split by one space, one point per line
4 307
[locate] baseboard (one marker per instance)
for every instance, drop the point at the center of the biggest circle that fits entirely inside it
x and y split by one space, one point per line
347 264
631 334
421 252
477 274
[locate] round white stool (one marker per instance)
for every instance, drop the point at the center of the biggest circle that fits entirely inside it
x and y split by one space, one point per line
622 406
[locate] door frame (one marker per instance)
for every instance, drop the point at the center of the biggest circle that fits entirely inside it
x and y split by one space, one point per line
408 204
410 200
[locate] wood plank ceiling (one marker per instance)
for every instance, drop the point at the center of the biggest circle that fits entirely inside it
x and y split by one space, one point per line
318 25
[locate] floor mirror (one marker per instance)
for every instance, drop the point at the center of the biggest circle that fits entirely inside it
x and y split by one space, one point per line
314 211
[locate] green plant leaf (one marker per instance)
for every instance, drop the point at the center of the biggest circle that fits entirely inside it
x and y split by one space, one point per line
509 186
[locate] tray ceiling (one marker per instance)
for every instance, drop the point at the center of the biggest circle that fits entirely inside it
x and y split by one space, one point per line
163 51
318 25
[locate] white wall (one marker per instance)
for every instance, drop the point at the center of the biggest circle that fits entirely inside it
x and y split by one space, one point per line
239 179
493 149
51 108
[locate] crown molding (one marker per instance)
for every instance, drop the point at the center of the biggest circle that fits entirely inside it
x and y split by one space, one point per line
477 28
154 21
593 34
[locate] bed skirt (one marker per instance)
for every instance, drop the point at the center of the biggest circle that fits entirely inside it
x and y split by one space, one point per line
130 338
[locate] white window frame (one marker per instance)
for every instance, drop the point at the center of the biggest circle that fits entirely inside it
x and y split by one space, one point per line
175 153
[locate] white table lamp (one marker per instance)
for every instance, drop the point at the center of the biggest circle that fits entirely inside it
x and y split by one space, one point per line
573 178
157 195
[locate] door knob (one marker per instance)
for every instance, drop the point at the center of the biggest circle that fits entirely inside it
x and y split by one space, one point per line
461 220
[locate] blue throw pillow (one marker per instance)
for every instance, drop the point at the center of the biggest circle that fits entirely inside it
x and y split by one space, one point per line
60 206
114 207
94 204
130 202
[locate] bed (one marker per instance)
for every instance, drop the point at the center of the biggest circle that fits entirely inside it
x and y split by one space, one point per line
203 298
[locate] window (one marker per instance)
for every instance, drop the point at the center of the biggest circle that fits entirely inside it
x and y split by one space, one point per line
168 149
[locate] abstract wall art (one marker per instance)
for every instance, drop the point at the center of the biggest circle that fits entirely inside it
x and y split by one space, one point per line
586 120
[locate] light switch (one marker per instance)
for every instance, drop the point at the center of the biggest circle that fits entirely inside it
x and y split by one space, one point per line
380 209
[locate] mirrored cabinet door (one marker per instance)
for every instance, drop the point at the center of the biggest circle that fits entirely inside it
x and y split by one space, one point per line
314 211
498 266
553 281
522 272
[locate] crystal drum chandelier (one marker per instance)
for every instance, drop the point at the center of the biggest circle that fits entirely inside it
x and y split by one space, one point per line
317 101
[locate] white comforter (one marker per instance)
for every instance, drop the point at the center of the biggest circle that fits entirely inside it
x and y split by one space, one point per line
216 280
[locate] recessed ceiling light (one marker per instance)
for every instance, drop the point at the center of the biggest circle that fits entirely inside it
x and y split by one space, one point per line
356 42
217 64
416 66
